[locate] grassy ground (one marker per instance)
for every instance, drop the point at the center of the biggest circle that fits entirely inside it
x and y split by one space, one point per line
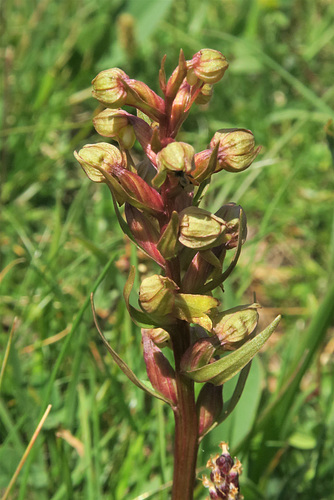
60 240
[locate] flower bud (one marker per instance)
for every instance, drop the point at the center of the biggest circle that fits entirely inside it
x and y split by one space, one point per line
199 354
160 337
157 295
109 89
236 149
235 325
142 97
175 157
180 108
145 233
200 229
105 163
177 77
224 476
207 65
115 123
205 165
205 94
93 156
195 308
230 213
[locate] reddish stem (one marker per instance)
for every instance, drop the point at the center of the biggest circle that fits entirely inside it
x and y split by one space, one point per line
186 422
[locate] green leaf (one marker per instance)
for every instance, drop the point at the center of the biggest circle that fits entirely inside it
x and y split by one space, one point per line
224 369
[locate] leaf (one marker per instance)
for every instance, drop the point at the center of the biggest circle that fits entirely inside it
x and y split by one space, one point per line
232 402
123 366
224 369
159 370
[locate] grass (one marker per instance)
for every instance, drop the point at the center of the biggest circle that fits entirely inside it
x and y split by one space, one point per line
60 240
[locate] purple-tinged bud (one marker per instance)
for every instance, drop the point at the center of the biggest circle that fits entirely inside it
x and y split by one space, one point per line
207 65
115 123
199 229
224 477
109 89
175 157
236 149
225 463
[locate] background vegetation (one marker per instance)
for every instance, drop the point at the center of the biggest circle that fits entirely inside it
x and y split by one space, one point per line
60 240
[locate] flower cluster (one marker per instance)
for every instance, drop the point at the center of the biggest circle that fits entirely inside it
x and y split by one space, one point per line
224 476
161 196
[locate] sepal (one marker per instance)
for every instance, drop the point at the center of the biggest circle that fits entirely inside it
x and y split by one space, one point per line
144 232
168 244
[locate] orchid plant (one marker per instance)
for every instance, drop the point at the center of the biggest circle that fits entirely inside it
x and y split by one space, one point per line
177 310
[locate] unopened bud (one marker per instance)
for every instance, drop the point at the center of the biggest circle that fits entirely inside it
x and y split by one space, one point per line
159 336
236 149
115 123
157 295
105 163
180 107
235 325
207 65
205 94
200 229
142 97
94 156
199 354
230 213
109 89
175 157
205 165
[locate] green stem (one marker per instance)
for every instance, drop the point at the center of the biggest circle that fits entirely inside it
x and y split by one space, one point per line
186 422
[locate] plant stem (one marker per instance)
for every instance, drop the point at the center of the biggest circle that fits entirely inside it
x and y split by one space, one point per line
186 422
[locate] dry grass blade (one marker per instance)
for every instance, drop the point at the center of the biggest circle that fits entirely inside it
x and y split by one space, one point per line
26 453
